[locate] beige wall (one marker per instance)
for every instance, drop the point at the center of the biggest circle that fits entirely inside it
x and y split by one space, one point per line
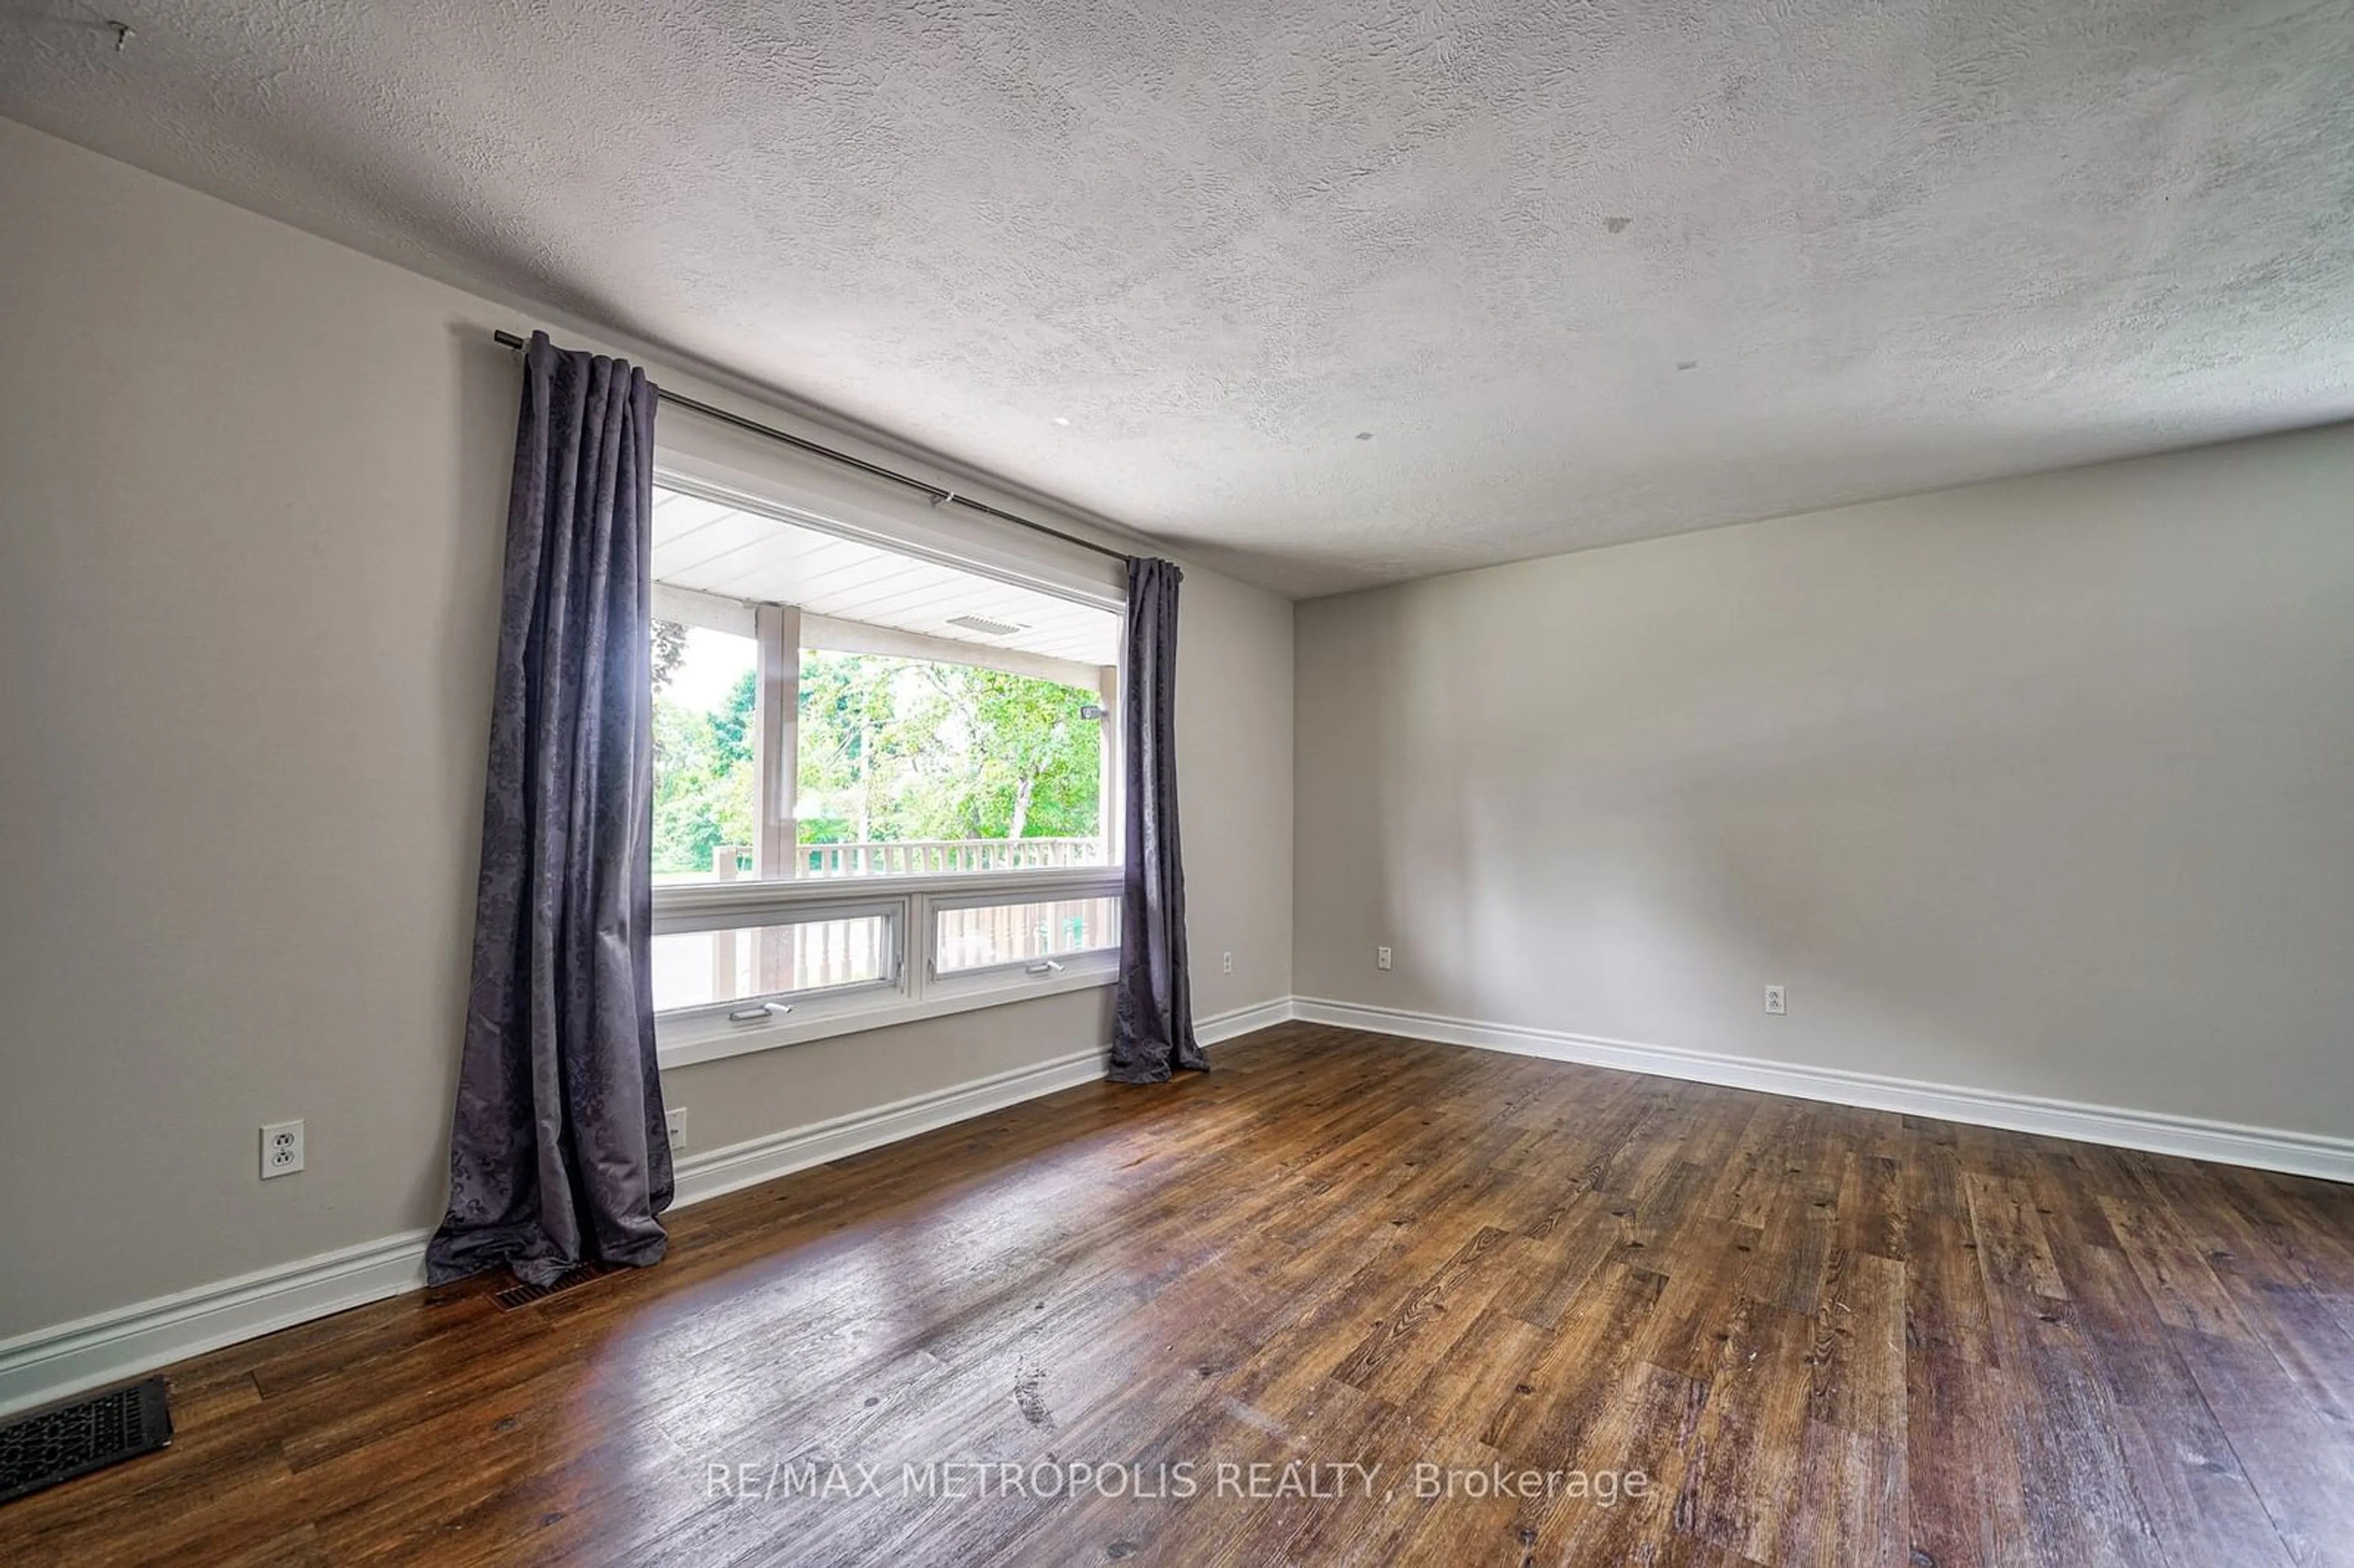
251 492
2044 787
1234 725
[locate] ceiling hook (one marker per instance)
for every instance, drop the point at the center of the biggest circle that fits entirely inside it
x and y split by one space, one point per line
121 35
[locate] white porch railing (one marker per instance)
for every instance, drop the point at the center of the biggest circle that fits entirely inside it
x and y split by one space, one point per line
920 857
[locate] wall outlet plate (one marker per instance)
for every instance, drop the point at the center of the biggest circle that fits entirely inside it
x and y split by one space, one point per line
1381 958
1774 999
1227 962
282 1149
674 1122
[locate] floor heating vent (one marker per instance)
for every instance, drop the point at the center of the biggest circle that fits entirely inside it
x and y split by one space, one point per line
516 1296
88 1434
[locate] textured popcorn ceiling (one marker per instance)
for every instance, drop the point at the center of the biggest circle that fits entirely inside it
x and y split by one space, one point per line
1582 272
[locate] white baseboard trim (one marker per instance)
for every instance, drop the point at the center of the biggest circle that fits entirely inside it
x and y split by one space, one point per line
2229 1143
759 1159
51 1363
780 1154
1242 1020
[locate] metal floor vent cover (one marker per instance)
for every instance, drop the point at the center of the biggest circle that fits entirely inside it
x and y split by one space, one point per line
516 1296
73 1439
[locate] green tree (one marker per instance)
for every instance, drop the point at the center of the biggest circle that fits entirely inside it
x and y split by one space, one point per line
890 749
898 748
849 739
731 722
1008 756
703 779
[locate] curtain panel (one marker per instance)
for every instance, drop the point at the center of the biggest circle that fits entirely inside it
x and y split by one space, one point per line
557 1150
1152 1010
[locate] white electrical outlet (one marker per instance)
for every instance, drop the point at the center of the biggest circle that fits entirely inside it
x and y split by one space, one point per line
1226 963
1381 958
282 1149
1774 1000
674 1119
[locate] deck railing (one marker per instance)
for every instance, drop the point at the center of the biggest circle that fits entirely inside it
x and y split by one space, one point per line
920 857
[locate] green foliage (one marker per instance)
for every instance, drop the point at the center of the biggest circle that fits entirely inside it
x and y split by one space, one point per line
703 778
666 649
731 725
901 748
890 749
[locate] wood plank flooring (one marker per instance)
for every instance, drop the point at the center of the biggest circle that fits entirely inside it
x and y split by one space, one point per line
1822 1336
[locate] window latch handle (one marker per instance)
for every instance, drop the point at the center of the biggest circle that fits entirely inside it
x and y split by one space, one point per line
755 1014
1044 966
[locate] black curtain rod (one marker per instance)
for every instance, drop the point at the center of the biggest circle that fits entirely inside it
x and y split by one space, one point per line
937 494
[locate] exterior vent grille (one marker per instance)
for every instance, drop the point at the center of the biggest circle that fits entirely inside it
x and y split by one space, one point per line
985 626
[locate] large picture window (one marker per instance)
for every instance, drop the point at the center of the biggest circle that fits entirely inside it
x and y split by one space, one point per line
884 783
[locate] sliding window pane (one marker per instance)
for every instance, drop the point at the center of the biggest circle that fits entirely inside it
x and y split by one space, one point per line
994 934
703 968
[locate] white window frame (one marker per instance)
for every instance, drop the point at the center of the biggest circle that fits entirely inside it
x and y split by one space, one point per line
908 904
677 917
1009 973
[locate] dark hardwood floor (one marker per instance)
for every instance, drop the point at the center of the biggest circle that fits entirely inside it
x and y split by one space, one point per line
1822 1335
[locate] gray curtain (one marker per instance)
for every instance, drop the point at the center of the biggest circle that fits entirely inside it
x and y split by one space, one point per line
558 1154
1153 1014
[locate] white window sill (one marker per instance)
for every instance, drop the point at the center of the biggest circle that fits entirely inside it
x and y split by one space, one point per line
684 1042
